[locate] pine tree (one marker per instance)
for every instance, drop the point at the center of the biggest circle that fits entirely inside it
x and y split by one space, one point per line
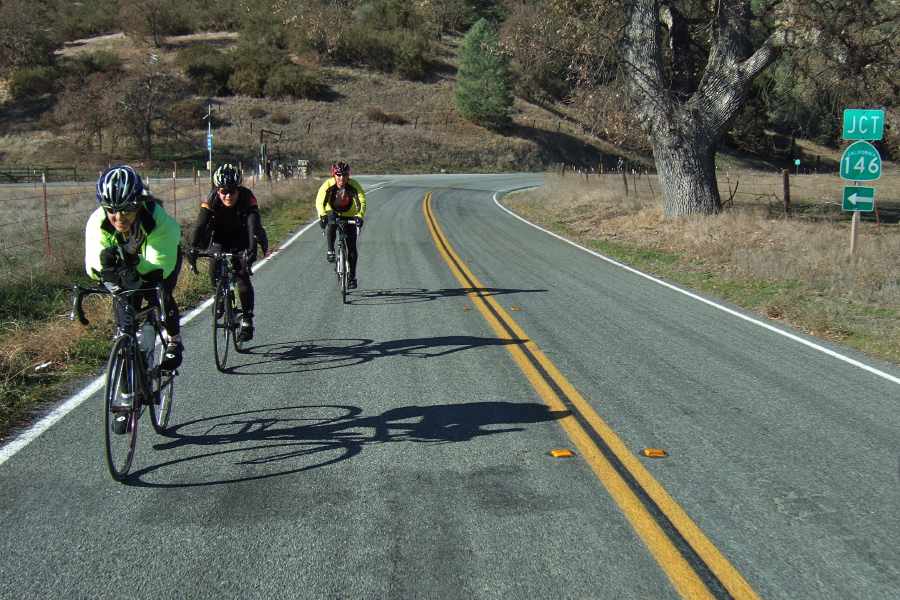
484 79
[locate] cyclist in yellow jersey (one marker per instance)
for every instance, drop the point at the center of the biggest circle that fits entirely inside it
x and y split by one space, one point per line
343 197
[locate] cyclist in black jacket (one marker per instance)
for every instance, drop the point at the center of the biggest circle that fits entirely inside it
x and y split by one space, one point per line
229 222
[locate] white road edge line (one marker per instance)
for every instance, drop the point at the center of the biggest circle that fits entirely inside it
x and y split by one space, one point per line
33 432
763 324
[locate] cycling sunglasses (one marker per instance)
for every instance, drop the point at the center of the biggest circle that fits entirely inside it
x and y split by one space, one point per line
124 209
228 192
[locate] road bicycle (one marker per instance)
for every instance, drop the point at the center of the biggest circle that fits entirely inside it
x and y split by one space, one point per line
134 377
226 314
341 258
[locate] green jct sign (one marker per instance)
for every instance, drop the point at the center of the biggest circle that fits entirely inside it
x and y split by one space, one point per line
863 124
861 162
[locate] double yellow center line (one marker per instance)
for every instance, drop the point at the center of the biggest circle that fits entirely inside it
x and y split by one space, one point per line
696 568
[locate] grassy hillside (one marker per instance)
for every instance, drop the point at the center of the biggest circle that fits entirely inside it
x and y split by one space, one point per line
376 122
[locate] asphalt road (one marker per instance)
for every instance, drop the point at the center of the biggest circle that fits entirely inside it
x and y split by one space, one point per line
400 446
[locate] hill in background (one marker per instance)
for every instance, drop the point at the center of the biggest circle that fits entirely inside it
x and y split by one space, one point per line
376 122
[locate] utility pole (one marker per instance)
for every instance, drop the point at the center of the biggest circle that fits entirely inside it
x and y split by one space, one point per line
208 118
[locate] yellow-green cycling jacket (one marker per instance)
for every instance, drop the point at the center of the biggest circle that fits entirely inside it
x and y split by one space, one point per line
355 192
159 254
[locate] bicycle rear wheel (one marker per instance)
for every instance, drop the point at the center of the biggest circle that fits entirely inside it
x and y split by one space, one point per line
121 425
222 317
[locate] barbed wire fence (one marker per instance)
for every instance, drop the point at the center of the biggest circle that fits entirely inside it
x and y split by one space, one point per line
780 192
42 223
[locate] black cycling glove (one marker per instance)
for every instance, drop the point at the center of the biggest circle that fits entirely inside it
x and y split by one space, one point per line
132 247
109 257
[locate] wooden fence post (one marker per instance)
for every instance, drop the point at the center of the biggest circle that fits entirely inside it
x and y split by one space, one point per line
175 191
786 185
46 212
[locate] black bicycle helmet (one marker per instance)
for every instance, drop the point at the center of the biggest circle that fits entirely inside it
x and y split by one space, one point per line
340 168
227 177
119 188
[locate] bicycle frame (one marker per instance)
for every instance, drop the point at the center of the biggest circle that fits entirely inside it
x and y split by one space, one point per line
131 371
226 315
341 262
128 320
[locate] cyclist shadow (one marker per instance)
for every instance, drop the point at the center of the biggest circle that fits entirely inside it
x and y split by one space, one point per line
301 438
407 295
316 355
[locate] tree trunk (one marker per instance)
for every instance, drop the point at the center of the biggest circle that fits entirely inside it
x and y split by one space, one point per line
683 122
687 177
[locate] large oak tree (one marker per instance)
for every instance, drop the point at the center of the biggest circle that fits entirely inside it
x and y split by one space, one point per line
686 68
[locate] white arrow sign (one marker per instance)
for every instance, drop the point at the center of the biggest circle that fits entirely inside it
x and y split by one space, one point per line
859 198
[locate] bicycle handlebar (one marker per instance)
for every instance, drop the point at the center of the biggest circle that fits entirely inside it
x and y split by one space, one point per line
219 256
79 292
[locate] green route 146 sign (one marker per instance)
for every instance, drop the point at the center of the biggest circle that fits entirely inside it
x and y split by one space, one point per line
861 162
859 198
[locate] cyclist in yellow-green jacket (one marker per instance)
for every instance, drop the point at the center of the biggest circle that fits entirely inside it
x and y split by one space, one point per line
343 197
131 241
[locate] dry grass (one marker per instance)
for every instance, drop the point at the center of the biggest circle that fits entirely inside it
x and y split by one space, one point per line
799 270
44 227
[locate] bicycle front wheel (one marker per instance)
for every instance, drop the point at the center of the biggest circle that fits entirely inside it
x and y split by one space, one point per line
342 271
161 408
121 423
222 325
235 322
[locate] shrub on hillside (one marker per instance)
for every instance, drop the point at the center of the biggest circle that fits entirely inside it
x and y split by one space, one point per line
279 118
256 112
24 39
188 114
100 61
248 81
253 64
387 35
288 80
49 122
208 68
76 20
405 53
33 82
375 114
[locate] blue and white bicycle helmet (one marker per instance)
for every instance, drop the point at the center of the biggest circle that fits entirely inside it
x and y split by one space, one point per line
119 188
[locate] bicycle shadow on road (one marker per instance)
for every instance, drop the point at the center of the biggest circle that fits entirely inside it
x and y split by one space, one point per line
315 355
407 295
275 442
